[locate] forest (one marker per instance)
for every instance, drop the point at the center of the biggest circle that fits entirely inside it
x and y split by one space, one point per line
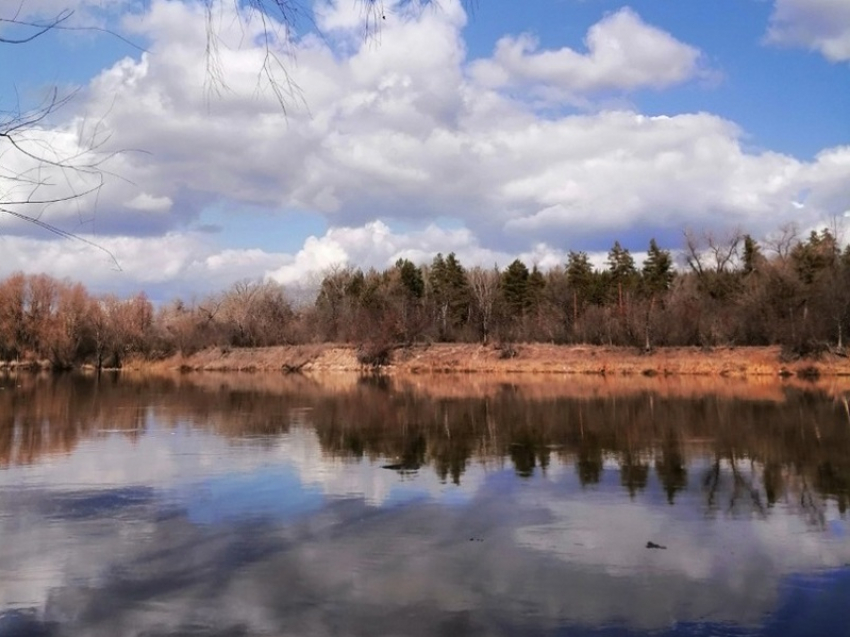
788 291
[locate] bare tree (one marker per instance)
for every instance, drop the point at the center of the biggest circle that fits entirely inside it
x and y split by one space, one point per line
708 253
485 289
783 241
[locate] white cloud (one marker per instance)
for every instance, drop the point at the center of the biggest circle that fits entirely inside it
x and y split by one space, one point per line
180 264
819 25
149 203
400 134
623 54
164 266
376 245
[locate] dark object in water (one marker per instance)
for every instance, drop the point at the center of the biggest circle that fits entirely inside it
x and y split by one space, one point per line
653 545
401 466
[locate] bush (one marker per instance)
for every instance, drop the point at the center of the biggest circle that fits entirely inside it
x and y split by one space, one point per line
506 351
809 372
804 348
374 355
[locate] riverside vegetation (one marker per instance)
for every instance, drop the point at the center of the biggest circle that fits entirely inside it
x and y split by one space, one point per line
787 292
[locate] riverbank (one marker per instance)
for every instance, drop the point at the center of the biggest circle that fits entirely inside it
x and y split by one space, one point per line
517 359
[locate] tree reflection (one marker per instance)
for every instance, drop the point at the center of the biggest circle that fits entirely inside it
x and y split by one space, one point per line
589 464
671 470
634 473
760 452
834 480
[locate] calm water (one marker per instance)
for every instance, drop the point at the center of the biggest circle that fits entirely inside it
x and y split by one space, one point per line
267 505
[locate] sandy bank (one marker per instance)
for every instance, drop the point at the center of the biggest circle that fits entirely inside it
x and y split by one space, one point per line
522 358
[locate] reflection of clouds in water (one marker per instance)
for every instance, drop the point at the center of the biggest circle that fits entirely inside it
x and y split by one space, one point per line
293 541
354 569
360 478
164 458
51 538
746 555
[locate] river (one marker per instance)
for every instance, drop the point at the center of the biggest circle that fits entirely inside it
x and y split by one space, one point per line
260 504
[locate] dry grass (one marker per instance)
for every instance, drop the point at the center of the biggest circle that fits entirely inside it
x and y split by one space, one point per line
730 362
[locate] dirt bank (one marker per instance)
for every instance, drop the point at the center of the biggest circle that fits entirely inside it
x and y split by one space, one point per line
522 358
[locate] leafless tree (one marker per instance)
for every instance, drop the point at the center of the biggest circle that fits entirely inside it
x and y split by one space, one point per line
485 289
783 240
708 253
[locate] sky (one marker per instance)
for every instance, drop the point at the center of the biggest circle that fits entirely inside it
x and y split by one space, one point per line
496 130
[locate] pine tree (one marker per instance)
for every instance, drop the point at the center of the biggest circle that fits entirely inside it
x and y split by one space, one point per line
580 277
621 265
514 286
657 272
622 273
536 285
815 255
450 291
657 275
752 255
411 278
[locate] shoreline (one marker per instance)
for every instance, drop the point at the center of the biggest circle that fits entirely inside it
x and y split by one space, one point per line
522 358
525 358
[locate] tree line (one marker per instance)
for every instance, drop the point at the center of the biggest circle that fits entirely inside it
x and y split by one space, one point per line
789 291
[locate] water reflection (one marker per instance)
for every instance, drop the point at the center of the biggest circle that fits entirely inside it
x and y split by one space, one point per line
239 504
792 447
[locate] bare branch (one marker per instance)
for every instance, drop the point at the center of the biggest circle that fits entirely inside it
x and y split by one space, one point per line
40 28
33 167
62 233
784 240
708 253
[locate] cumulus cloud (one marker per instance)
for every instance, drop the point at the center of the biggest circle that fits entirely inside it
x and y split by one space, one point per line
623 54
174 264
819 25
186 263
406 134
376 245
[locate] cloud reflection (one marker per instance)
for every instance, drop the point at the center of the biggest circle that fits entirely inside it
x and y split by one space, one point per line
232 512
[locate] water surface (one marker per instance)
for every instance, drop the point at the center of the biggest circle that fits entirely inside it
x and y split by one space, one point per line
270 505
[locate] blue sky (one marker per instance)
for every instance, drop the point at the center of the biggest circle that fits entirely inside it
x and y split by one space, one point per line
761 88
522 129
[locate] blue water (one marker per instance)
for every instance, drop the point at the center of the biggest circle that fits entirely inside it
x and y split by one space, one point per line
198 524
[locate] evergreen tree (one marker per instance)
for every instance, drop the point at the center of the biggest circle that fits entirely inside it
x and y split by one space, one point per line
579 272
657 272
536 286
581 279
514 284
621 274
449 288
411 279
752 255
621 265
656 277
815 255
